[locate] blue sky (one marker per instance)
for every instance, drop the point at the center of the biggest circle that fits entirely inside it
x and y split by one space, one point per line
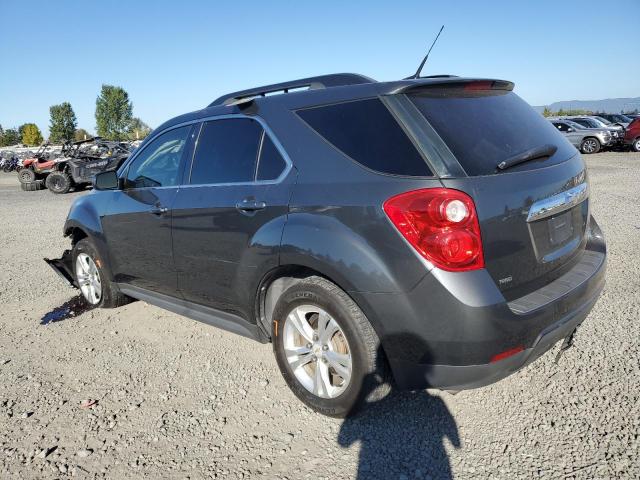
173 57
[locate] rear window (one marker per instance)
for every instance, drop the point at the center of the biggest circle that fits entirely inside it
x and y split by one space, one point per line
366 131
484 128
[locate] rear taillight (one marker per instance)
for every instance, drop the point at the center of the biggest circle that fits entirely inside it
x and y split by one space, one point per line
441 224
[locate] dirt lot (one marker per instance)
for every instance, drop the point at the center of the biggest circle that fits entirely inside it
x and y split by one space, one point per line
178 399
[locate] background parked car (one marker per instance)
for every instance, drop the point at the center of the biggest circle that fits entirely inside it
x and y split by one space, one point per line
632 136
587 140
616 131
616 119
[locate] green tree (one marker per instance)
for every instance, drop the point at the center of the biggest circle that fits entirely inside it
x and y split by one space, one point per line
10 137
113 113
81 134
546 112
31 134
138 129
63 123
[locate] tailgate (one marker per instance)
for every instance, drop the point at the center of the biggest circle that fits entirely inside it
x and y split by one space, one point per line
533 223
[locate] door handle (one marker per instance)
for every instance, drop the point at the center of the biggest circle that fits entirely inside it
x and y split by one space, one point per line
250 205
159 211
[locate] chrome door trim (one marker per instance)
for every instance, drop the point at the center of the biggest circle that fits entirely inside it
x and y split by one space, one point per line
558 203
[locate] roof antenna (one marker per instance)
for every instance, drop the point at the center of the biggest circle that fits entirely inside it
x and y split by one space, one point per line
424 60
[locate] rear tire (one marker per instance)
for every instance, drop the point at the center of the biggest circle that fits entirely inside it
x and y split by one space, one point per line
319 356
26 175
32 186
88 270
58 182
590 145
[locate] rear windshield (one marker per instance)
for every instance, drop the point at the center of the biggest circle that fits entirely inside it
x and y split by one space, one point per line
484 128
366 131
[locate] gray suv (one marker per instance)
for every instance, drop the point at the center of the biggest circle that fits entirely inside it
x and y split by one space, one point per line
434 232
587 140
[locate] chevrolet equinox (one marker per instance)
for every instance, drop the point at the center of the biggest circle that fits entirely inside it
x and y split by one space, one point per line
434 232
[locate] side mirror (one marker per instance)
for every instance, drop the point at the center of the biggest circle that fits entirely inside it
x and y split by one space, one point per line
106 181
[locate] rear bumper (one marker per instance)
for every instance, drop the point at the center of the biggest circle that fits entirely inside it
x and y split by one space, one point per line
464 377
445 332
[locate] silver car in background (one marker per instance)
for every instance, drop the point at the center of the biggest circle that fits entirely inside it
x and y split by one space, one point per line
587 140
616 131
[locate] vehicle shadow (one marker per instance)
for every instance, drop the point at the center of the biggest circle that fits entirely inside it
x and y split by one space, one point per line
402 436
71 308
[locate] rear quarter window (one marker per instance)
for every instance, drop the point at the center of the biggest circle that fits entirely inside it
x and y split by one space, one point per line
366 131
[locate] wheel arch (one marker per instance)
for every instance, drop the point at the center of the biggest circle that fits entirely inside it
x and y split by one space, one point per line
278 280
84 222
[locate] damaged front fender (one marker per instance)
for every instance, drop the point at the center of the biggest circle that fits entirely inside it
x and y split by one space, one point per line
62 266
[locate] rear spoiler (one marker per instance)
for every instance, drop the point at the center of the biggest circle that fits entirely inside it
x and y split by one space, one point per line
453 84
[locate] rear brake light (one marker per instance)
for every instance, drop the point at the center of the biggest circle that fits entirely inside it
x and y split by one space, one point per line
441 224
482 85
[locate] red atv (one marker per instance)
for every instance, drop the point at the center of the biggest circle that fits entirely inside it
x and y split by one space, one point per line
34 170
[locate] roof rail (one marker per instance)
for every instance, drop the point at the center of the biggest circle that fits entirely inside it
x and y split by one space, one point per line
311 83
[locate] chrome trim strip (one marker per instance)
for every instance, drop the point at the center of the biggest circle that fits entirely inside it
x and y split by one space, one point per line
558 203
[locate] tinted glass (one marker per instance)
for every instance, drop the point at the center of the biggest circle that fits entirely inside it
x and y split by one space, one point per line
603 120
271 163
484 128
159 163
226 151
367 132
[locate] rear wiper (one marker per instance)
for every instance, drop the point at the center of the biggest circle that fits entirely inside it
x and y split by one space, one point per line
527 155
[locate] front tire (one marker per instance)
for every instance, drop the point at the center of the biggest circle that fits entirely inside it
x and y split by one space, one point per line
326 349
26 175
58 182
590 145
92 279
636 145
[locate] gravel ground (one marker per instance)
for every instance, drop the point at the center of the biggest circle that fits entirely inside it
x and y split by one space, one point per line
178 399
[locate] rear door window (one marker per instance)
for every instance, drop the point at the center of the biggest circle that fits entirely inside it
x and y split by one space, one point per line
226 152
366 131
483 128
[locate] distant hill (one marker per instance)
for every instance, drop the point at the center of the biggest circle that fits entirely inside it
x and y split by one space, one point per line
610 105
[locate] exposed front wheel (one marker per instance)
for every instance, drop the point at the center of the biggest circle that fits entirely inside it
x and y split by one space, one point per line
326 349
590 145
636 145
92 279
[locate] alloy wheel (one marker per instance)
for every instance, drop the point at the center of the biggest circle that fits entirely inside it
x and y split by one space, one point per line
317 351
88 279
590 146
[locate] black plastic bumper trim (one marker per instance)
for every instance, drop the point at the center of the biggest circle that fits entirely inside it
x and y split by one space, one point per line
589 264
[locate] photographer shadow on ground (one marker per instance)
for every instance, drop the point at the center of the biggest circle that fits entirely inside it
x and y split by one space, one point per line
401 436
